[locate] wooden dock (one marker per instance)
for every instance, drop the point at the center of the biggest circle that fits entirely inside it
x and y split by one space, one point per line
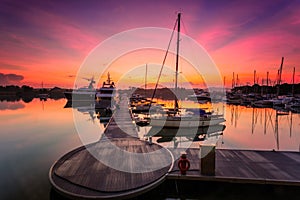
246 166
81 175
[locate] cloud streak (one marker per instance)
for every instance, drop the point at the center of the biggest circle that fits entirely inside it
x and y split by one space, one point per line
8 79
49 40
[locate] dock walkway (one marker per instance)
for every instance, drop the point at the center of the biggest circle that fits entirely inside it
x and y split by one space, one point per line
246 166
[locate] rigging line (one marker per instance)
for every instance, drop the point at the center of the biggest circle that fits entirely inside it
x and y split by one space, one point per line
163 64
184 27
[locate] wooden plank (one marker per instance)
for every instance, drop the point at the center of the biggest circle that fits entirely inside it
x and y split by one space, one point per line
249 166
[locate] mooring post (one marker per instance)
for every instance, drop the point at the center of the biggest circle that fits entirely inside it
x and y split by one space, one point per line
207 156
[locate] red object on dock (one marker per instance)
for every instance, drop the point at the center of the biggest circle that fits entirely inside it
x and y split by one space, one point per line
183 164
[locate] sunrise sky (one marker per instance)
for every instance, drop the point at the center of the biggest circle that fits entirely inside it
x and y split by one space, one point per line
47 41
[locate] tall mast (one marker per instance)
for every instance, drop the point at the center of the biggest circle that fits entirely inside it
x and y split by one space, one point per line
146 80
254 81
267 84
233 83
279 76
177 61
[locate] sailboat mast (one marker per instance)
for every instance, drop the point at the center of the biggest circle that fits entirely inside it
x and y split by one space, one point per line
293 86
177 61
279 76
146 80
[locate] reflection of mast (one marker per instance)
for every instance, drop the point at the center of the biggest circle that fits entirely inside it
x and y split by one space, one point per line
43 105
252 130
293 89
254 119
265 125
268 119
276 131
234 115
276 128
291 123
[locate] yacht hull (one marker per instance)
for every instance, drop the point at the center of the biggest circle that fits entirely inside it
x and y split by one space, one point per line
185 122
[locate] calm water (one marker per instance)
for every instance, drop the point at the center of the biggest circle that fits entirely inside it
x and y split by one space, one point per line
33 135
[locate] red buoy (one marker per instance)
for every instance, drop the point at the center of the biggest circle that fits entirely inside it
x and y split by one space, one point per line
183 164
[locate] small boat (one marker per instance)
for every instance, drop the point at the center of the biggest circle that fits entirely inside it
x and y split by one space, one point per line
43 95
294 104
142 122
262 104
186 132
234 99
200 95
82 94
176 121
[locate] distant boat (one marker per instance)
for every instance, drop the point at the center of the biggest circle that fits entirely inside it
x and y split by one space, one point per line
107 91
105 95
142 122
295 104
174 118
262 103
43 96
82 94
200 96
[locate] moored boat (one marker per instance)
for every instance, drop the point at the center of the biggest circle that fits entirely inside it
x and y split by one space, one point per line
174 118
82 94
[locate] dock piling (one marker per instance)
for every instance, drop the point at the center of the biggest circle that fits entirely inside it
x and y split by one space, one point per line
207 159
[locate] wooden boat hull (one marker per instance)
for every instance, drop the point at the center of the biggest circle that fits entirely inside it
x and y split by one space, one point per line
186 122
187 132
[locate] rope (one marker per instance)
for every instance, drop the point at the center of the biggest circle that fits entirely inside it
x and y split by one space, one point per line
163 64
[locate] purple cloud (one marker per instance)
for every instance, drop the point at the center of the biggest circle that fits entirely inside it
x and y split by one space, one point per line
7 79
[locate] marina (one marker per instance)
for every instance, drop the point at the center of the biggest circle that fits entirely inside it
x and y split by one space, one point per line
247 130
125 164
78 174
149 100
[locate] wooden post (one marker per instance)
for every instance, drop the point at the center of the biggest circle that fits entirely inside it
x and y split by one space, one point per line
207 159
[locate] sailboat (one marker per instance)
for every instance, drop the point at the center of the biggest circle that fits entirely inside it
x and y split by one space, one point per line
177 119
43 95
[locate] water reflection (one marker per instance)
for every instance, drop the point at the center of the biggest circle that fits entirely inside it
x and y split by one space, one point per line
261 129
35 134
5 105
32 137
88 108
246 128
